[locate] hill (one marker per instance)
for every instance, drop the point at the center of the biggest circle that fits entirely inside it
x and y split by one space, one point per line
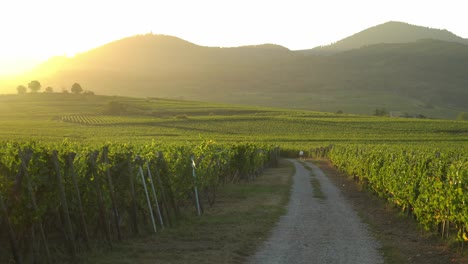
158 65
390 32
423 77
430 71
150 54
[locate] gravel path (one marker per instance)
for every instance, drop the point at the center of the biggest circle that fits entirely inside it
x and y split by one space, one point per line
320 226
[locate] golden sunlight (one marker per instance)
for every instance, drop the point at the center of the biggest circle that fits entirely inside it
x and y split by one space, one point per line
47 28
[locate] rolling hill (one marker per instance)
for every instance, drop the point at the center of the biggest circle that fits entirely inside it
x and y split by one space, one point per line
390 32
425 76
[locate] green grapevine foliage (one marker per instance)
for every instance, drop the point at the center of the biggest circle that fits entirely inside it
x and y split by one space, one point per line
104 191
430 183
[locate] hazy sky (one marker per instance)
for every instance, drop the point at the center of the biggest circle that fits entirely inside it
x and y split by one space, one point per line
34 30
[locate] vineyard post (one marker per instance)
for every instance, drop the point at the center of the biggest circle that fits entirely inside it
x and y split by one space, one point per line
195 187
102 211
33 250
133 211
105 159
25 158
148 199
448 229
170 194
154 194
277 154
213 185
11 232
71 157
164 199
63 197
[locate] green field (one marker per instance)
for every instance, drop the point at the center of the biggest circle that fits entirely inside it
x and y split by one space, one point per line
79 118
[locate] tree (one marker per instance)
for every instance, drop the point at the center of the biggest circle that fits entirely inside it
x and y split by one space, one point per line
88 92
34 86
115 108
76 88
21 89
381 112
49 89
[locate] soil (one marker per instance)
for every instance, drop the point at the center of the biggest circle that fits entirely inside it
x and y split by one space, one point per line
403 241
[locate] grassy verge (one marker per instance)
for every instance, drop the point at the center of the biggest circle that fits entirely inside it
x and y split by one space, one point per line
228 232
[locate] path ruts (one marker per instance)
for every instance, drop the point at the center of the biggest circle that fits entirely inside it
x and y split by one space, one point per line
319 227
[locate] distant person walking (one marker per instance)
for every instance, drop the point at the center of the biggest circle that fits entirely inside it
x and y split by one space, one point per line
301 155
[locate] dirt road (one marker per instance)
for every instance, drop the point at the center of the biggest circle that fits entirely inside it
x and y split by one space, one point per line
319 227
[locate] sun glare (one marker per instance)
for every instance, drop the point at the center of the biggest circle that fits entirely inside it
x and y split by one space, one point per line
47 28
70 54
12 67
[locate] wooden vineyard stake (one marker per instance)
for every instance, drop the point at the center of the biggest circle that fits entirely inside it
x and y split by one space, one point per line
11 233
133 208
111 192
166 186
212 187
102 211
63 198
25 158
164 198
71 157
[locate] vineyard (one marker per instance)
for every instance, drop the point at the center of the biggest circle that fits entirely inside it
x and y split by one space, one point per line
105 183
429 183
85 196
92 119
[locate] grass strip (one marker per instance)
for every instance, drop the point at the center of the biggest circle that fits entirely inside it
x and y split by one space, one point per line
318 193
228 232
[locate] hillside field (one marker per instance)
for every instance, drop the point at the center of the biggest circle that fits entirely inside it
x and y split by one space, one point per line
99 119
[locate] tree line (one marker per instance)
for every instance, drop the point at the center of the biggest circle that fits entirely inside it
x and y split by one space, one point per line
35 86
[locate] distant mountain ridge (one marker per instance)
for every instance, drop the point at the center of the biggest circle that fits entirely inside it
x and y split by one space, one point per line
425 76
387 33
146 53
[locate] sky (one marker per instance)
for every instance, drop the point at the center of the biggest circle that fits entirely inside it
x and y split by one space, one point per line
31 31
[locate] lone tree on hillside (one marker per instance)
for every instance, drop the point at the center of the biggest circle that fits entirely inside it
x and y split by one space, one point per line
115 108
21 89
76 88
34 86
381 112
49 89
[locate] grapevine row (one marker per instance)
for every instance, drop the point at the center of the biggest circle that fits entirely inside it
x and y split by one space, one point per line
428 183
85 195
91 119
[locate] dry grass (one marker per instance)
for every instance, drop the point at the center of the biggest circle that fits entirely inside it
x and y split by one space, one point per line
228 232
